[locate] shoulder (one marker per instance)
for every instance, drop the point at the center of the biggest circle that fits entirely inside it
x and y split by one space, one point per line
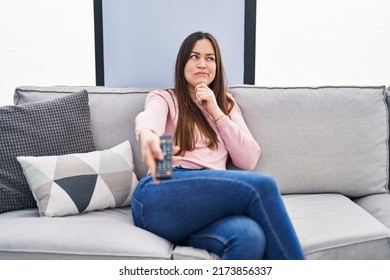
161 92
230 96
164 97
234 105
166 94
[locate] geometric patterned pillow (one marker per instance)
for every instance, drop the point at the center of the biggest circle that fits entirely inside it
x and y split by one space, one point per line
77 183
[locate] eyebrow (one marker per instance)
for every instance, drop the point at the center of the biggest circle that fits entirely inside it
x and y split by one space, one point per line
208 54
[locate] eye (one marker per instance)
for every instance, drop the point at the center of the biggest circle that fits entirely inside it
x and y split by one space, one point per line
211 58
193 56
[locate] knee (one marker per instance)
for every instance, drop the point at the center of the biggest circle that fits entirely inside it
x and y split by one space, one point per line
267 183
250 237
268 180
234 237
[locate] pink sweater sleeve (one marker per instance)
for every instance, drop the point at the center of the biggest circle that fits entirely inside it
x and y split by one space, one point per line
242 147
154 116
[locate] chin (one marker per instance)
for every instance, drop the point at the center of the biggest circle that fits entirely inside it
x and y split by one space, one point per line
206 81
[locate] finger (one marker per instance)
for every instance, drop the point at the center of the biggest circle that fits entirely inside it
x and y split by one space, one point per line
151 152
200 86
145 151
202 89
200 97
156 154
205 93
156 151
150 162
205 96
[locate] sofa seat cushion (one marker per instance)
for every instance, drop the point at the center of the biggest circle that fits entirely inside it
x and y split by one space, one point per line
377 205
108 234
190 253
331 226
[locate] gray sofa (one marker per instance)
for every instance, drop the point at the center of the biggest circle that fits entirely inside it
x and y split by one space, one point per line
326 147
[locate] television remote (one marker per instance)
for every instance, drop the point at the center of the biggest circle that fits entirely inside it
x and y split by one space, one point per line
164 167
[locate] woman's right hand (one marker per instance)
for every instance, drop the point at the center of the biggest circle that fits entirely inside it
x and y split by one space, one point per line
150 150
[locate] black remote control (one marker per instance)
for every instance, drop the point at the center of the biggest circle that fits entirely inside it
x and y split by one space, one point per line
164 167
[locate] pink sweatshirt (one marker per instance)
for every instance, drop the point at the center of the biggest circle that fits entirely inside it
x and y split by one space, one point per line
234 137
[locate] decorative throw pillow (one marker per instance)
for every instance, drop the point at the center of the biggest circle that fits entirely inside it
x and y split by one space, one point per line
54 127
77 183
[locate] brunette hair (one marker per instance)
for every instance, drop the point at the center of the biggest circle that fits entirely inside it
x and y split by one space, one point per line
190 116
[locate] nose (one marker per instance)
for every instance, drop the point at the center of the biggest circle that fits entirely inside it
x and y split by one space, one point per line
201 64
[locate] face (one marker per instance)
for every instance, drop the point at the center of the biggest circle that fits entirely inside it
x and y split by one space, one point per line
201 66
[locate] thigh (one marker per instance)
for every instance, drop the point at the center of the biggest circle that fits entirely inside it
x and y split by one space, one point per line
191 200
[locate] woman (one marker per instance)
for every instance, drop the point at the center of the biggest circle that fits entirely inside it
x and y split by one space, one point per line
234 214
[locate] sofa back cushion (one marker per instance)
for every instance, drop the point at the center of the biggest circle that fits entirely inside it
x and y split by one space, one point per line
320 140
112 110
313 140
387 94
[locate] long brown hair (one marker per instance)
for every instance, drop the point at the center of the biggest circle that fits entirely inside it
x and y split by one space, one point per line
190 116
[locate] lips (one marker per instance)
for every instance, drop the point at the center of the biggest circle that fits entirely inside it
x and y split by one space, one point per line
201 73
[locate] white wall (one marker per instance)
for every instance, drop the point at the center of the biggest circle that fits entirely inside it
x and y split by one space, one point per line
323 42
45 42
299 43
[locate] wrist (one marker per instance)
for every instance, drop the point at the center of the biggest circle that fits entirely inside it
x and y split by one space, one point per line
221 117
216 114
144 132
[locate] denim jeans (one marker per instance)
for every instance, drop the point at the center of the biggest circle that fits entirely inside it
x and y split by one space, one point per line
228 208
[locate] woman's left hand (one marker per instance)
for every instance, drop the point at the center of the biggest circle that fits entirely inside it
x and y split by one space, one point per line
206 97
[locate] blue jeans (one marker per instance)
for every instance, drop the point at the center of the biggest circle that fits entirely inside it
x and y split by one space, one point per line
222 211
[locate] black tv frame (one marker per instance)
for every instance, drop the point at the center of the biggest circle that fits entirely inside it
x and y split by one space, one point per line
249 44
